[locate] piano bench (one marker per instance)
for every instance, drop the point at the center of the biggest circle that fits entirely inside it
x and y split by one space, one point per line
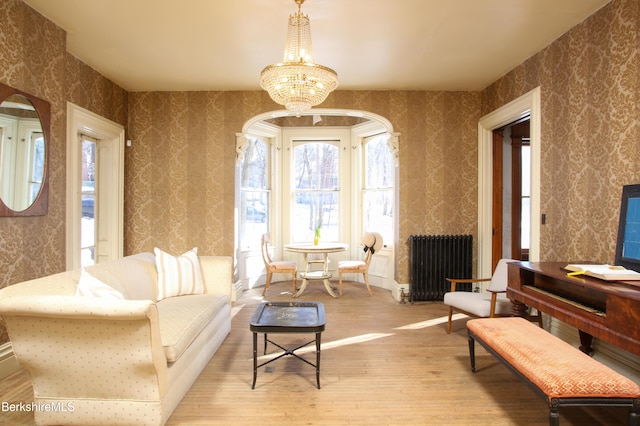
560 373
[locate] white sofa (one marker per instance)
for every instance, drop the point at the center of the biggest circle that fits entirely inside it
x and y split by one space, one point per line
101 360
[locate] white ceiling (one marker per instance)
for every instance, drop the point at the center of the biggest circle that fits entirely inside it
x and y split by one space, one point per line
183 45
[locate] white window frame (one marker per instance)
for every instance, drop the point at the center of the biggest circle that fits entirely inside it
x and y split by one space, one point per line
360 134
333 135
80 120
255 243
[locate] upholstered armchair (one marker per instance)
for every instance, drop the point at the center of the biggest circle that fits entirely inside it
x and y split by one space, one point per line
489 304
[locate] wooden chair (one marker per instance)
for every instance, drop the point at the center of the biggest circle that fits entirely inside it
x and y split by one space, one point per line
282 266
372 242
490 304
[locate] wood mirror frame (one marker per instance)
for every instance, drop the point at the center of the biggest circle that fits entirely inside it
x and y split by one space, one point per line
40 205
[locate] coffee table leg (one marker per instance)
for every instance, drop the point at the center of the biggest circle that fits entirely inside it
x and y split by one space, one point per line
265 344
318 359
255 359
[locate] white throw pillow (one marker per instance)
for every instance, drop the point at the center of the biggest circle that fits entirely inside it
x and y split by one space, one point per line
90 286
179 275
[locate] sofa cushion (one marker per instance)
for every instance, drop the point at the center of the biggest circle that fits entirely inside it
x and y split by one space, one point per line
182 318
178 275
134 276
90 286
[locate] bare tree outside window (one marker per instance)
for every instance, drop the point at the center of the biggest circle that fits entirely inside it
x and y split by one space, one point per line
315 205
89 192
255 190
377 197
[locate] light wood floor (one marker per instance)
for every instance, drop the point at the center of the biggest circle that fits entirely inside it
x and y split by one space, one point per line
383 363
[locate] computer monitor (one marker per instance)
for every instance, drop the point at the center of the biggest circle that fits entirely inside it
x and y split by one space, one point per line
628 245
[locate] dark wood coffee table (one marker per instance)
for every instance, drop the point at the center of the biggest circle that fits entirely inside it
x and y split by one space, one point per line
287 317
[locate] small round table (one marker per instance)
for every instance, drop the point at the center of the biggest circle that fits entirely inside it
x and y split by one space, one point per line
324 274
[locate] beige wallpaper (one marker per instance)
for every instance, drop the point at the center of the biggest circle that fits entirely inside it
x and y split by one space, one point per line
590 93
34 59
180 169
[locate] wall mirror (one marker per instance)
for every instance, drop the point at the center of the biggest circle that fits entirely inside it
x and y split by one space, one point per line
24 153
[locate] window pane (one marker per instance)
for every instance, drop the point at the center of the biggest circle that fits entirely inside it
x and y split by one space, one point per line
525 223
88 226
312 210
254 171
37 165
316 166
377 197
378 213
254 216
254 194
379 164
526 170
315 203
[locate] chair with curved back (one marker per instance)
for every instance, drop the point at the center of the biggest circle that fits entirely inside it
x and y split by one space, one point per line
372 242
281 266
490 304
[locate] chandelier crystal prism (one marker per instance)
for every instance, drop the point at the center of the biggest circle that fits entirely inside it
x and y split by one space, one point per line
297 82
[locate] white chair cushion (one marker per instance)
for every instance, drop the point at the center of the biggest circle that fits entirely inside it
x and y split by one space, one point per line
178 275
478 304
284 265
90 286
351 264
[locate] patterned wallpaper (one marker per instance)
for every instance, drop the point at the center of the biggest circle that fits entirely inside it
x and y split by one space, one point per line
590 94
180 169
34 58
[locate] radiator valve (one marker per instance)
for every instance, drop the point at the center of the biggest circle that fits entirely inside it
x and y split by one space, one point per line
403 296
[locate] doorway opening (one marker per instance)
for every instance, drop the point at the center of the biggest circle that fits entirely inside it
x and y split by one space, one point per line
511 191
526 105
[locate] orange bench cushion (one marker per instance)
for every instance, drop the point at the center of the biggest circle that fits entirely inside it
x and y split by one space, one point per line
554 366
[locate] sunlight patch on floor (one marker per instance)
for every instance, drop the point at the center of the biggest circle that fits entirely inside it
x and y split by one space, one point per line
430 323
330 345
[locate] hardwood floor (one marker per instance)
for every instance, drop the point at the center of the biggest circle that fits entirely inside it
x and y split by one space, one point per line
382 363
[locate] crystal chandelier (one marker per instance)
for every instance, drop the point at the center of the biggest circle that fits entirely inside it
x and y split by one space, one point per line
296 82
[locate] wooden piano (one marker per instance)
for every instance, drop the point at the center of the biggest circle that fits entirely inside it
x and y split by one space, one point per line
606 310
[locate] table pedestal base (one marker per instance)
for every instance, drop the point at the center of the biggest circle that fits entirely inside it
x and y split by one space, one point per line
315 275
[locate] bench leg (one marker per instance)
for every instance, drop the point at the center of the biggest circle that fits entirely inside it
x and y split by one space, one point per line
554 416
634 415
472 354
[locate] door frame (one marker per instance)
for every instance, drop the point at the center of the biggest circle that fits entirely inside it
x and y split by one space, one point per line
529 103
80 120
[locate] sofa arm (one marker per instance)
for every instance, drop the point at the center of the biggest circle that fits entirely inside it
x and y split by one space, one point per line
217 272
78 348
77 307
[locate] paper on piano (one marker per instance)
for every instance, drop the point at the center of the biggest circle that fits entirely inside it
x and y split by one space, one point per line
604 272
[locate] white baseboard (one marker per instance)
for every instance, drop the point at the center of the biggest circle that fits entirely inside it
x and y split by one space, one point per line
8 362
